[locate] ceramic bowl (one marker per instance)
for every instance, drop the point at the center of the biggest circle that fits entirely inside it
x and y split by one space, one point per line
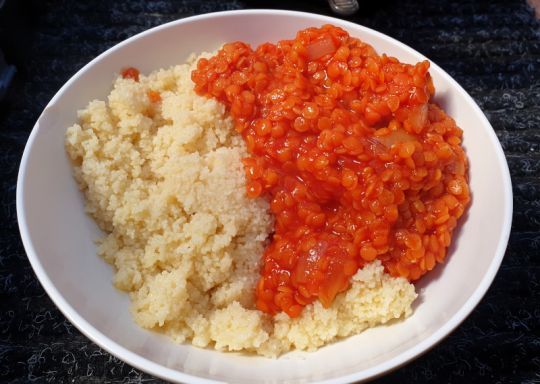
59 236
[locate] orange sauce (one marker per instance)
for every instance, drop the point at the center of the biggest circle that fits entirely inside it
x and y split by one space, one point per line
357 161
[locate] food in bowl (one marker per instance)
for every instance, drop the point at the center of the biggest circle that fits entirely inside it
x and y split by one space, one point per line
359 165
284 198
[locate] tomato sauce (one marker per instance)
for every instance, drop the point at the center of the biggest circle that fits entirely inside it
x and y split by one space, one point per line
357 161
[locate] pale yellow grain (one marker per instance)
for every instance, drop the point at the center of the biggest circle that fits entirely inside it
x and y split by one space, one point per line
165 183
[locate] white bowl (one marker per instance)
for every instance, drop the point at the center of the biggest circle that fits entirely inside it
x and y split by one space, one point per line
59 236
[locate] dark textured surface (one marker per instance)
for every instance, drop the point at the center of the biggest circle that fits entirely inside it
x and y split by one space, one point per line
492 48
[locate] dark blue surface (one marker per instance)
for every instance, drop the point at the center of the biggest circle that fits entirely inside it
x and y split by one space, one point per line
492 48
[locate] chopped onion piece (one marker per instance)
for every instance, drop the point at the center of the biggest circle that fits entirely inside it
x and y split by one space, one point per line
395 137
320 48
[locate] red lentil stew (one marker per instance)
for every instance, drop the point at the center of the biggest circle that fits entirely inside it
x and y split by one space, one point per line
357 161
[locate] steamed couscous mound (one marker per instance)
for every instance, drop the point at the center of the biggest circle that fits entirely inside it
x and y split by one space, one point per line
163 178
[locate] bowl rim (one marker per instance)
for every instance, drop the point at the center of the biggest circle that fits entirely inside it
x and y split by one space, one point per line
166 373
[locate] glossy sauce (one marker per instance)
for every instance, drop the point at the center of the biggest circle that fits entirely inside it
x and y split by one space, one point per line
357 161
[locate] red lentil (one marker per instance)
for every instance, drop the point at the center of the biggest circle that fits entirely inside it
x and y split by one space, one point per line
130 73
357 161
153 96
